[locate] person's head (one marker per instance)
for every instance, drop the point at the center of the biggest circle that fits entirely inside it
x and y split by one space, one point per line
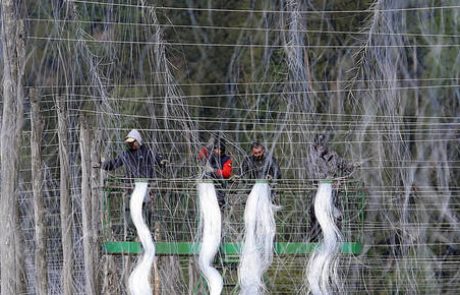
320 144
257 150
133 140
218 148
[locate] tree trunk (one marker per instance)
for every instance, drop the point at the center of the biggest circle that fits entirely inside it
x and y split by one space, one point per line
156 274
65 200
36 127
11 256
86 206
96 184
191 276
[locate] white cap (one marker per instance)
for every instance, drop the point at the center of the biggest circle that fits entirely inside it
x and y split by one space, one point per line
132 136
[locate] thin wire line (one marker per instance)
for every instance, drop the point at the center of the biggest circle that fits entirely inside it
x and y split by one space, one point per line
266 11
143 99
238 83
242 45
243 120
242 28
287 93
313 122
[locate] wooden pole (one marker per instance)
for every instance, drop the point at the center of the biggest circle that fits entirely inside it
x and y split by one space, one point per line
65 199
13 49
96 194
37 126
156 274
86 206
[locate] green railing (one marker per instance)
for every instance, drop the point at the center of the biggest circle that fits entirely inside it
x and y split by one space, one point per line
182 226
188 248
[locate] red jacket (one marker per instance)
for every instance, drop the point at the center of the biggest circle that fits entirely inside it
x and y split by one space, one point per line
222 165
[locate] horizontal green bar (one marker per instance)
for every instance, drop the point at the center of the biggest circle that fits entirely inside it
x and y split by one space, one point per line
294 248
327 181
259 180
188 248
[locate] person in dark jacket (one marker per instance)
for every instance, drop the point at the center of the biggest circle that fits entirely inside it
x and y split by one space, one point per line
326 164
218 166
139 163
260 164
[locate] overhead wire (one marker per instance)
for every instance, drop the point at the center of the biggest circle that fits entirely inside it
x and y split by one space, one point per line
226 10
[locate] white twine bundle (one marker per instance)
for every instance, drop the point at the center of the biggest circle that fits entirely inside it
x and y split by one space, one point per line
257 248
211 226
322 273
139 280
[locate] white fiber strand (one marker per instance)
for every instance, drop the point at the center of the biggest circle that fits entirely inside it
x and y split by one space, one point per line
322 273
139 280
257 248
211 230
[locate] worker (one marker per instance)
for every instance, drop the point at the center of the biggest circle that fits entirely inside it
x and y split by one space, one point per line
139 163
260 164
217 166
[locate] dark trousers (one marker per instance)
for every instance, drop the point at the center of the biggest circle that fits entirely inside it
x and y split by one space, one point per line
221 186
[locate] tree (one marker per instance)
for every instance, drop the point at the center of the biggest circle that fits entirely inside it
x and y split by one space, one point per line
37 126
12 280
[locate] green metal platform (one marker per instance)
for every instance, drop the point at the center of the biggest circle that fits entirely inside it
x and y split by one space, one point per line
189 248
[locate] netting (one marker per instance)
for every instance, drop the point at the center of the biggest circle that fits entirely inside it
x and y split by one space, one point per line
378 82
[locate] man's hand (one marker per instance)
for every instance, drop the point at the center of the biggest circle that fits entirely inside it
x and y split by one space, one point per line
208 169
164 162
235 178
269 177
97 165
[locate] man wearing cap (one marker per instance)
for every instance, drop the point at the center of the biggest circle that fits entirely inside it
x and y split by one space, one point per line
139 162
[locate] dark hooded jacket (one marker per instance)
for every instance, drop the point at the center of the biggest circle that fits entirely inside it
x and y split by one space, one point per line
138 163
253 168
328 164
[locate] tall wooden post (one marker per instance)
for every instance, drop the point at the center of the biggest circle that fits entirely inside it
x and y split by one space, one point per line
86 206
96 194
65 200
36 126
13 49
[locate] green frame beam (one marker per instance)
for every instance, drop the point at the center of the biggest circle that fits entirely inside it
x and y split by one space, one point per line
190 248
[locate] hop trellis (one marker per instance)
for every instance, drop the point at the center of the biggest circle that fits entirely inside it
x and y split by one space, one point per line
380 80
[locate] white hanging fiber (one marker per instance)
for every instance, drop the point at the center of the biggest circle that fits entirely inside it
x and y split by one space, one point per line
257 248
211 225
322 273
139 280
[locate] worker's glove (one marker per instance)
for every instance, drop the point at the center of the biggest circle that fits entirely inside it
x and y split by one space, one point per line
164 162
208 169
235 178
97 165
269 177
